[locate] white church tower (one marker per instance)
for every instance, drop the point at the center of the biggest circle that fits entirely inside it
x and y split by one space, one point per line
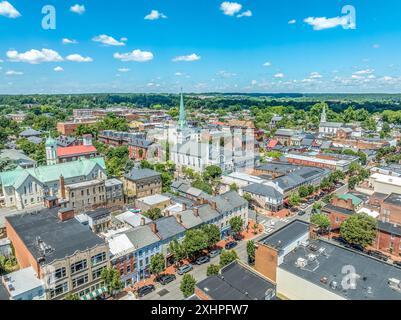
51 151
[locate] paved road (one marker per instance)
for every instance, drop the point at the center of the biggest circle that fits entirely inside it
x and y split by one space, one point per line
172 290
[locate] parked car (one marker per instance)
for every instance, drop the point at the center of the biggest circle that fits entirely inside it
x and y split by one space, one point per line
294 209
304 206
202 260
230 245
340 239
214 253
165 278
377 255
301 213
184 269
143 291
355 247
397 263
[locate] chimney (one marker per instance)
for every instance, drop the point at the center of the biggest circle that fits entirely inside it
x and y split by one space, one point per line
214 205
179 218
153 227
142 221
184 206
62 187
196 212
167 213
65 214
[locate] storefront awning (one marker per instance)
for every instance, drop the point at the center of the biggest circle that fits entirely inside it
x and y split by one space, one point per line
92 295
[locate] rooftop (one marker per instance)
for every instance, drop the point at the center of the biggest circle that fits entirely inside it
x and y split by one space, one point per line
286 235
45 235
394 199
154 199
139 174
325 270
75 150
21 281
237 282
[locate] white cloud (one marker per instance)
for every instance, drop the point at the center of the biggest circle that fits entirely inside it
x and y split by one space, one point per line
293 21
125 39
230 8
315 75
58 69
34 56
247 13
1 61
376 46
387 78
80 9
14 73
322 23
188 58
267 64
78 58
366 71
7 10
69 41
123 69
135 55
154 15
107 40
254 82
225 74
179 74
279 75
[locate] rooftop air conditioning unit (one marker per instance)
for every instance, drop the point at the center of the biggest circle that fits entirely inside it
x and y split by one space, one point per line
311 257
321 250
301 262
333 285
394 283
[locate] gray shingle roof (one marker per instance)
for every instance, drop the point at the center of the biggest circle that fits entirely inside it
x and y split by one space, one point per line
168 227
263 190
142 236
139 174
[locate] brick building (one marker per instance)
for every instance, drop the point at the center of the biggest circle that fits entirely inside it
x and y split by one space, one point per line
63 253
338 211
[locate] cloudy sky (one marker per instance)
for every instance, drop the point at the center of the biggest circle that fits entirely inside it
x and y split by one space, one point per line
202 46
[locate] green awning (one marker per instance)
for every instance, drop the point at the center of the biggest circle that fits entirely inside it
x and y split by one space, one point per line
92 295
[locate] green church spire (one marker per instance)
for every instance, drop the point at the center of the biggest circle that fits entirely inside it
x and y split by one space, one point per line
182 122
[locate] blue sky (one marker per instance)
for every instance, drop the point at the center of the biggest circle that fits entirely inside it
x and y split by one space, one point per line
203 46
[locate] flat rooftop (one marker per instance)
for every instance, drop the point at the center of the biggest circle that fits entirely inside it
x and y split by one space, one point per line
286 235
63 239
154 199
325 270
394 199
21 281
236 282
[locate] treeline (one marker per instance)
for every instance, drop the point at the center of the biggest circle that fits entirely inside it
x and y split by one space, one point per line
213 101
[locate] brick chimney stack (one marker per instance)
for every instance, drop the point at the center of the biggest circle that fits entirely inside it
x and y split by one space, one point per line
62 187
214 205
142 221
179 218
153 227
196 212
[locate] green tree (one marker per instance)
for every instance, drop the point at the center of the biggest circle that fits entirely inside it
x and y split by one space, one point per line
153 214
251 249
236 224
71 296
294 199
233 187
274 154
303 191
352 182
226 257
187 285
112 279
359 229
212 172
213 234
202 185
321 220
177 250
195 240
157 264
247 196
212 270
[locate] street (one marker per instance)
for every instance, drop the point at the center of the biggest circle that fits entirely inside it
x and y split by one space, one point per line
172 290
